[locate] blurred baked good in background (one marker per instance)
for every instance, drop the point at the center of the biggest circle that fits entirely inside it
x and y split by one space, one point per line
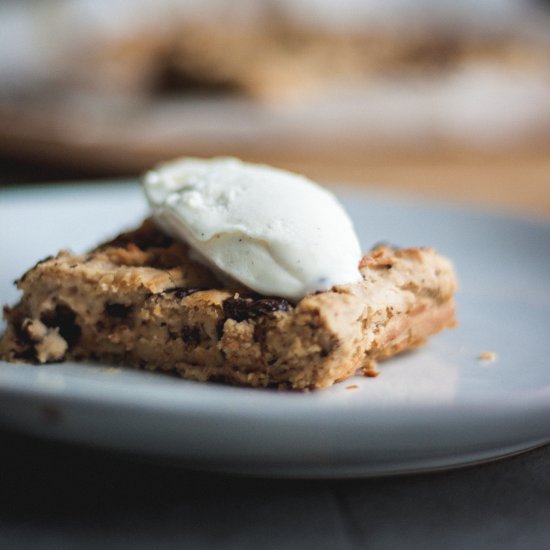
260 49
115 86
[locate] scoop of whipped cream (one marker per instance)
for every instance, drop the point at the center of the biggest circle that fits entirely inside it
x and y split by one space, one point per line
276 232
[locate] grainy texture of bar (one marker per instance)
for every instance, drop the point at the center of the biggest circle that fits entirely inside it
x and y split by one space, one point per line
139 300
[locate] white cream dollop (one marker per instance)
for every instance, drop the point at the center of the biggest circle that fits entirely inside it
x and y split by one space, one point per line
276 232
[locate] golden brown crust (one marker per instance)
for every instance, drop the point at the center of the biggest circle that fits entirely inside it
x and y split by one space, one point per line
139 300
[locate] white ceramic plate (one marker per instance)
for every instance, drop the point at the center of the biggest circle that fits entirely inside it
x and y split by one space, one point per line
434 408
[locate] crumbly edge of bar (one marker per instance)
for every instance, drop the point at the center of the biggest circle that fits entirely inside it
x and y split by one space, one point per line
138 300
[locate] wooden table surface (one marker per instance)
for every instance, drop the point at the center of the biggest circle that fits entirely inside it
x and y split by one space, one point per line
516 182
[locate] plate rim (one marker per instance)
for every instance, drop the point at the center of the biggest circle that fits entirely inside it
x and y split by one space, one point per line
540 403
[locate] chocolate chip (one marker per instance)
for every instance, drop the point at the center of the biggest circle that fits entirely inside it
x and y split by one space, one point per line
191 335
241 309
117 310
180 292
64 318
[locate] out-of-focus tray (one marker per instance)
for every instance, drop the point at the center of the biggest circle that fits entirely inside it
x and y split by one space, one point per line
478 108
436 137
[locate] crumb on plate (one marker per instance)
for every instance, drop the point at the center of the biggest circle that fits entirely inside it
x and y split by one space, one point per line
488 356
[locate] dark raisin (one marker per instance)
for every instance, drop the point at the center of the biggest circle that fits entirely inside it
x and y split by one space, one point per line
24 339
219 328
28 354
142 239
191 335
158 239
260 331
180 292
21 333
117 310
64 318
241 309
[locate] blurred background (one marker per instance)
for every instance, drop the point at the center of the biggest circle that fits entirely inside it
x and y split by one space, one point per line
438 98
